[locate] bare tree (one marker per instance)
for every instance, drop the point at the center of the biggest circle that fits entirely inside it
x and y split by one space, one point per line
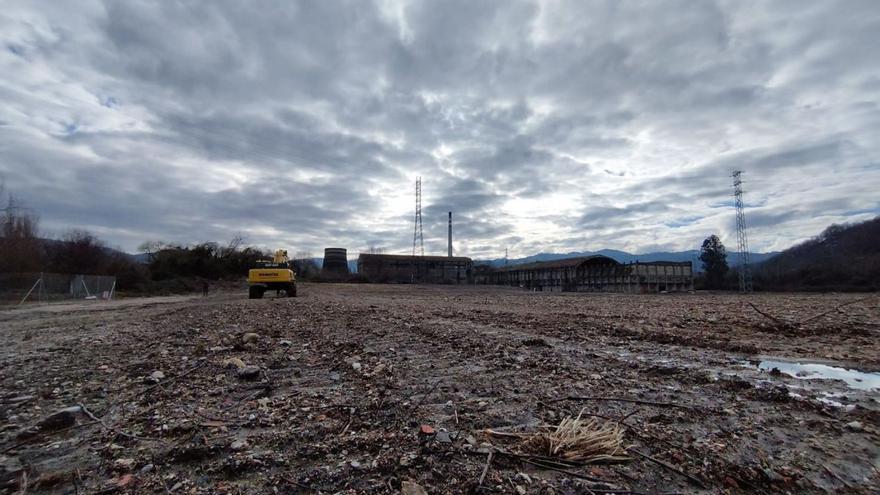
150 248
19 242
233 245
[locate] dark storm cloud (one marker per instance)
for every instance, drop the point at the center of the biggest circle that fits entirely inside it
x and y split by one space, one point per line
543 126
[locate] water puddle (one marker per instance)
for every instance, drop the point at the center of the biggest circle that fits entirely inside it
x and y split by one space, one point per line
808 371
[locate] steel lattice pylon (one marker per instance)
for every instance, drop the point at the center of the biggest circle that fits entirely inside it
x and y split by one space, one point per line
745 271
418 237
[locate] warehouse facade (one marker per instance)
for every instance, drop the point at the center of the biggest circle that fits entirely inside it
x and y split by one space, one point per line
594 274
403 269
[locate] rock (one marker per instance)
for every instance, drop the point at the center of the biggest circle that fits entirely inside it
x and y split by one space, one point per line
10 469
525 477
250 338
147 468
64 418
239 445
855 426
427 430
595 376
156 376
407 459
233 362
442 436
773 476
124 480
411 488
357 366
124 464
355 464
285 343
249 372
520 490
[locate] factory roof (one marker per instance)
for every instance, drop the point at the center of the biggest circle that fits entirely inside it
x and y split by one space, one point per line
561 263
407 257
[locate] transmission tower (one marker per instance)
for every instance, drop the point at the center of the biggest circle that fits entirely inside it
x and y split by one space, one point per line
418 238
745 271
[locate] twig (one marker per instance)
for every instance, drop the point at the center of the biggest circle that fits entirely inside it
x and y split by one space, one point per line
542 465
671 467
173 378
624 418
546 462
485 469
118 431
43 434
24 482
836 476
833 310
777 320
424 397
620 399
346 426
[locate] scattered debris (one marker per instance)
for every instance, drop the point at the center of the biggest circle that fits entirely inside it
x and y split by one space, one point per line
249 372
411 488
375 389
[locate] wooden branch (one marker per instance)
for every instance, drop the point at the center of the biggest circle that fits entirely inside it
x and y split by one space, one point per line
174 378
485 470
620 399
425 396
837 308
671 468
118 431
771 317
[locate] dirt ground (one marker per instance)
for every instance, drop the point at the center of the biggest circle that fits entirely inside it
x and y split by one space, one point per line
362 388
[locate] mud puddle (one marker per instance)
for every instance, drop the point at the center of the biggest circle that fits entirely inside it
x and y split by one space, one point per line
855 379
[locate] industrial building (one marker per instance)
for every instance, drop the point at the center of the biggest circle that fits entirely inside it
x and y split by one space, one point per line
394 268
593 274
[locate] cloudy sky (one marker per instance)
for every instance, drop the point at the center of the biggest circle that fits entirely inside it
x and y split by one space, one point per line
550 126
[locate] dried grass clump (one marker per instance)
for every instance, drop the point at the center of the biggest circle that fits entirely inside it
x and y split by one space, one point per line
576 440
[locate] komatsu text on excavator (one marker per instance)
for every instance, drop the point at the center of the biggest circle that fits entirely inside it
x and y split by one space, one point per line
277 274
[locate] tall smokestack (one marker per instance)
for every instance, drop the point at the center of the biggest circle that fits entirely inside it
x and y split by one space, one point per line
450 234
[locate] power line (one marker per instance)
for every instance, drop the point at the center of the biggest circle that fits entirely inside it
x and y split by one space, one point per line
745 271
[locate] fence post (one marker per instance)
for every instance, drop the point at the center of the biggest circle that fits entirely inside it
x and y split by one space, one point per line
39 280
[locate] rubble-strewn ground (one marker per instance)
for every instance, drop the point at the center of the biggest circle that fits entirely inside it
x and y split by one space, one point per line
348 374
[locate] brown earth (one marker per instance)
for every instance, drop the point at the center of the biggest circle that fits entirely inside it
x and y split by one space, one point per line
347 374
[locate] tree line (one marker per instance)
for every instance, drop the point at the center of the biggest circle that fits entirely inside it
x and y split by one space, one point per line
841 258
162 267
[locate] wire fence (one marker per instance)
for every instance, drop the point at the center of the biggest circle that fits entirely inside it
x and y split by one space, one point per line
21 288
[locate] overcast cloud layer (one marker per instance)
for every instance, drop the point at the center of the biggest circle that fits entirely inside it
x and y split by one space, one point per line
551 126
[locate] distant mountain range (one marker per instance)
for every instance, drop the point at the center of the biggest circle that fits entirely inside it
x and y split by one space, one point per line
624 257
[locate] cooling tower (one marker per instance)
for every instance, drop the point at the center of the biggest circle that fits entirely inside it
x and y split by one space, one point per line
335 262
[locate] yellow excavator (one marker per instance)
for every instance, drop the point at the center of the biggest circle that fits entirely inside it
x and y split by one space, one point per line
276 274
